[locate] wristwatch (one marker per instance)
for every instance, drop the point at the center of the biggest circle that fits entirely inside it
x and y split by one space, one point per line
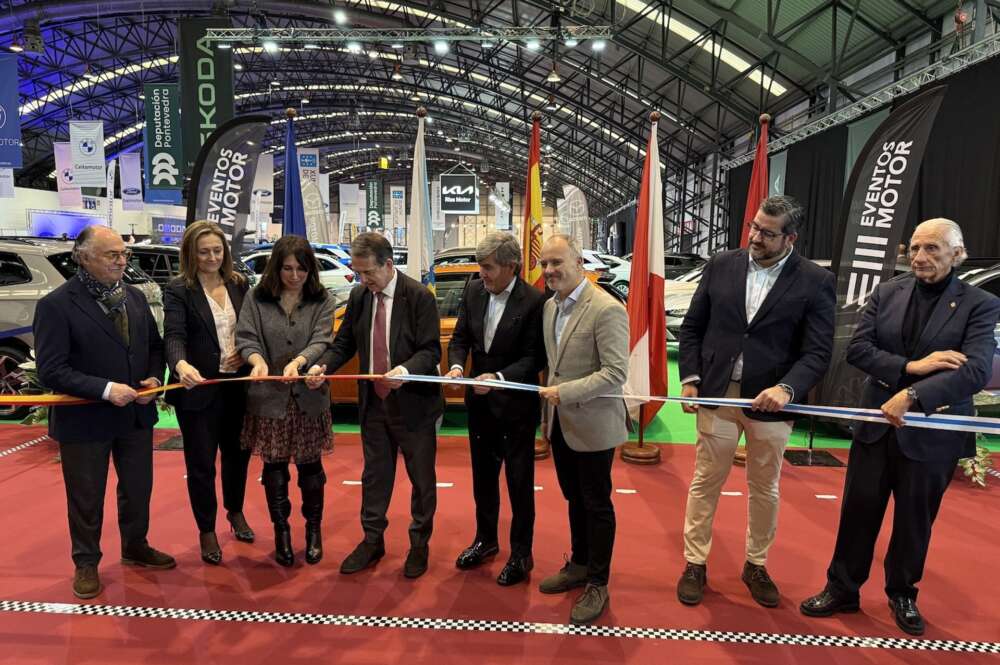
911 392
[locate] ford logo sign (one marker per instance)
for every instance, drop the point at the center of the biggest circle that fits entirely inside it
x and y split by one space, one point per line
264 193
131 191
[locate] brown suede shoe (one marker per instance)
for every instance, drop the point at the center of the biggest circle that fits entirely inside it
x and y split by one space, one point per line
146 557
762 588
691 585
570 576
86 582
590 605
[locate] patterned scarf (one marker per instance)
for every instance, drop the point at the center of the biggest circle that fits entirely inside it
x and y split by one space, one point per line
111 297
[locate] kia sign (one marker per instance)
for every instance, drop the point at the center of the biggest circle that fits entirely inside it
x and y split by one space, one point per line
459 194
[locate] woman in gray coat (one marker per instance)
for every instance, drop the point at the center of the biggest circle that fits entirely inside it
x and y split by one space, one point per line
285 326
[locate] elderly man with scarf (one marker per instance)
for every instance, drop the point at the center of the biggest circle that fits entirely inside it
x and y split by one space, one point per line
96 338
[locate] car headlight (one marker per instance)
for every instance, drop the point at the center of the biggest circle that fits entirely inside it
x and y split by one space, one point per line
677 313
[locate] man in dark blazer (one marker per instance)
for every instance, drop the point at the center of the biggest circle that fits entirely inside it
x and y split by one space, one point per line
926 341
395 416
760 326
96 338
500 325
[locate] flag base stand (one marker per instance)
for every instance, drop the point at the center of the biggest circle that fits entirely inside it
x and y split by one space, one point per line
638 453
810 457
173 443
541 448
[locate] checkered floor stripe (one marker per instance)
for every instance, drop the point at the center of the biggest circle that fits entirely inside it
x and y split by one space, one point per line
22 446
993 472
472 625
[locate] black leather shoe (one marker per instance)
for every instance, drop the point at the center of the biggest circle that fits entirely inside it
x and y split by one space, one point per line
364 555
907 616
516 570
826 603
211 553
416 562
238 525
478 553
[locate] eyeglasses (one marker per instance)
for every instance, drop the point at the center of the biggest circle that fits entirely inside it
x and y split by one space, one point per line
113 257
764 233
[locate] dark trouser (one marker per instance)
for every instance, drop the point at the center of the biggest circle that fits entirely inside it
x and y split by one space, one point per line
585 481
85 472
216 427
383 436
874 471
509 443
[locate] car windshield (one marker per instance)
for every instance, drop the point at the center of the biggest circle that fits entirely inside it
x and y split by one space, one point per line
448 289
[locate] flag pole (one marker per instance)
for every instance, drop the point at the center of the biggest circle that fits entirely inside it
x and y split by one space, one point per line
638 452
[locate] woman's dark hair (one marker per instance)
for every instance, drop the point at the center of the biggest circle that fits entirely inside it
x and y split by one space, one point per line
270 287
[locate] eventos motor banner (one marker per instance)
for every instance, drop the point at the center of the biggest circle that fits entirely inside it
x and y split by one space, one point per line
459 194
86 147
164 154
131 179
10 116
223 177
877 201
206 84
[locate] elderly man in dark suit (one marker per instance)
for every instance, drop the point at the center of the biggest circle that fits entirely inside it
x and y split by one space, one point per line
96 338
392 324
926 341
760 326
500 325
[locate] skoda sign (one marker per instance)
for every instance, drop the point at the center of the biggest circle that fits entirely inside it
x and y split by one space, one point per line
459 194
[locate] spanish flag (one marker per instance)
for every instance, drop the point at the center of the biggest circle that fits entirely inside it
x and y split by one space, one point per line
531 229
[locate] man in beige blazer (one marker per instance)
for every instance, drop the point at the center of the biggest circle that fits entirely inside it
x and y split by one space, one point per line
586 342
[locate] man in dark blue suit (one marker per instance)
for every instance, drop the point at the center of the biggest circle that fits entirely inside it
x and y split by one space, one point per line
96 338
926 341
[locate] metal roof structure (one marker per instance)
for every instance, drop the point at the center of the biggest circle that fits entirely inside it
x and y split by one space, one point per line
709 66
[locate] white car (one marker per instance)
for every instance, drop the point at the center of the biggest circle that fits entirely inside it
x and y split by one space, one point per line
621 272
335 276
592 262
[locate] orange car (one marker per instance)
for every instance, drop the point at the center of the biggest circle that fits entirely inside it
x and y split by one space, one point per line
450 284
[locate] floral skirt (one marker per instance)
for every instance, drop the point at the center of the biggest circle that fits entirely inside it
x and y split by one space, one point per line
296 438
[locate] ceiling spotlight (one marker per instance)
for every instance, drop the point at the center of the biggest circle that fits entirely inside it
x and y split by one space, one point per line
570 42
354 47
224 46
553 76
310 47
276 83
270 46
448 140
430 120
396 45
440 133
238 67
598 45
440 47
142 96
551 104
389 157
378 145
339 16
532 45
15 46
397 75
457 149
414 97
488 44
303 101
373 54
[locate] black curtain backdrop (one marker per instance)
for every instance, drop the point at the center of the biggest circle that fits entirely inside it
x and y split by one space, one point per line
739 184
815 176
960 176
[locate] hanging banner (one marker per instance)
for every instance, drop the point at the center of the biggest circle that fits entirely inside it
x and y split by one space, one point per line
6 183
324 190
10 115
373 205
131 181
109 197
577 216
877 202
86 144
437 217
459 194
349 196
70 194
163 151
263 182
309 165
397 206
206 84
317 222
503 206
224 173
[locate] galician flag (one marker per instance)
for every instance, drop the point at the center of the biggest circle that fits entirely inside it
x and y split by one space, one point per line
647 325
531 229
420 240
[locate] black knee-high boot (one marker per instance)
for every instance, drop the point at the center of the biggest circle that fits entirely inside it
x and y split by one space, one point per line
276 490
312 509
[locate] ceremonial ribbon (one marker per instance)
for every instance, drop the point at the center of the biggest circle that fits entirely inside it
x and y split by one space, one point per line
936 421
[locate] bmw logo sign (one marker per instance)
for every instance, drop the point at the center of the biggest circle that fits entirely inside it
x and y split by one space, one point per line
88 146
67 176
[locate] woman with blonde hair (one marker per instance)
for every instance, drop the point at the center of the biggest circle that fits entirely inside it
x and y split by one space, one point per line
200 312
286 325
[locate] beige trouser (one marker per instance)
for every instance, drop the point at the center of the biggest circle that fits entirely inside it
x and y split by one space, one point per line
718 433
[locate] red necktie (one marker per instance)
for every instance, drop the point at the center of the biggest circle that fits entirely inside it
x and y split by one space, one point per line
380 351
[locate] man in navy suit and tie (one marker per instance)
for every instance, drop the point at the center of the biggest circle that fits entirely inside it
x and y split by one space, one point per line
760 326
926 341
500 325
96 338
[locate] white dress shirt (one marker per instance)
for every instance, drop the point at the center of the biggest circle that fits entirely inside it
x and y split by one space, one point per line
388 292
494 312
225 329
760 281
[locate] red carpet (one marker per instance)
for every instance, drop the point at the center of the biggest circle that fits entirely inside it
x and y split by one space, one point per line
378 616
